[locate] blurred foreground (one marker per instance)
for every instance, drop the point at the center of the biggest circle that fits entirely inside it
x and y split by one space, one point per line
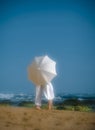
17 118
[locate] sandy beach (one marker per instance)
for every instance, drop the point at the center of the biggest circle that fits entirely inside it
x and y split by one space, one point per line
18 118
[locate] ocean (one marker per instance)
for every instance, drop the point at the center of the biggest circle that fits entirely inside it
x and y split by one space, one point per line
60 99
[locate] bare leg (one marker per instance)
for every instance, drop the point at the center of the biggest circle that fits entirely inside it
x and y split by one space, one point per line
50 104
39 90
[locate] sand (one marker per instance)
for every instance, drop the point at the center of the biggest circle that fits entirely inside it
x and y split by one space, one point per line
17 118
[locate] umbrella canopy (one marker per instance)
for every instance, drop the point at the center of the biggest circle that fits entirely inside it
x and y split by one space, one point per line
42 70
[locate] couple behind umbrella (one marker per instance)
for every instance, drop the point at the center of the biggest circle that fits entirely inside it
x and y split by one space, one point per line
48 92
41 72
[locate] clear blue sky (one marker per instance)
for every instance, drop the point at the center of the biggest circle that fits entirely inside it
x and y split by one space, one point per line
63 29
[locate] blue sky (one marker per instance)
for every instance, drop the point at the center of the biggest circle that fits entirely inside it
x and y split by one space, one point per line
64 30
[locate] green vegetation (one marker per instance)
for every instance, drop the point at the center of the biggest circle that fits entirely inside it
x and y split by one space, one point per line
83 108
4 104
75 108
69 104
26 104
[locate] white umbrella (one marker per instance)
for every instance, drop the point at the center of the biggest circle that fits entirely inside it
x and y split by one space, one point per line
42 70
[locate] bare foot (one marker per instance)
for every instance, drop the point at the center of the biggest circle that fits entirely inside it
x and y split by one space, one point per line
38 108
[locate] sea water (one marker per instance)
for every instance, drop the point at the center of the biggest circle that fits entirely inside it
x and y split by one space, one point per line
16 99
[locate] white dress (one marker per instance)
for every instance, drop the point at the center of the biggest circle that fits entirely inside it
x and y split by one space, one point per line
48 92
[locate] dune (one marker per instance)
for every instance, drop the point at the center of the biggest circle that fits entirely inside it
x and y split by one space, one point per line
18 118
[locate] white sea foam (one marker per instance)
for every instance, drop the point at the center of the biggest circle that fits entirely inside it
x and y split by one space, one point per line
16 97
58 98
6 96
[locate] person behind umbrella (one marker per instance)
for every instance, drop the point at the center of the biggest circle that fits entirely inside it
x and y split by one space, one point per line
48 92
